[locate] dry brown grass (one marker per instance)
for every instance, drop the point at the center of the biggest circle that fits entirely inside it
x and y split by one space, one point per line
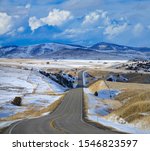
97 86
85 106
141 97
132 110
132 77
128 86
115 104
53 70
143 123
73 72
126 95
52 93
138 78
85 115
134 96
98 73
137 102
133 102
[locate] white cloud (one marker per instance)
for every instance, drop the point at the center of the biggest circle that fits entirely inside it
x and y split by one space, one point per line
28 6
94 17
55 18
35 23
5 23
114 30
73 32
20 29
138 28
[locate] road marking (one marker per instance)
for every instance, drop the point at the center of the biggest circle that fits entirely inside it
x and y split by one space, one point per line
82 102
53 125
52 122
11 129
83 78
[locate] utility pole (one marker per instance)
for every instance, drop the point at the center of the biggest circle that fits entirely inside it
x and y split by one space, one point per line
107 87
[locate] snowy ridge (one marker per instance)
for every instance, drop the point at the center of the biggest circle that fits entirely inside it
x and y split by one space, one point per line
66 51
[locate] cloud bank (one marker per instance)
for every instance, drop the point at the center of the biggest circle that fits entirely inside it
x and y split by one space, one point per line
5 23
55 17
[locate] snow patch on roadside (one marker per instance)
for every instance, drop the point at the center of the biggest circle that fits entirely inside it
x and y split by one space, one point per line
120 127
108 94
7 123
57 88
97 110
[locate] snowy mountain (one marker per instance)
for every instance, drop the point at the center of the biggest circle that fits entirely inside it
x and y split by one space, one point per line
110 46
122 51
65 51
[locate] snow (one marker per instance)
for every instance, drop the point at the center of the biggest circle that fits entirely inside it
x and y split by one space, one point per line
6 123
73 79
9 109
40 85
108 94
67 64
84 78
120 127
66 76
27 84
34 100
96 105
55 86
118 78
56 46
97 109
16 83
39 100
103 110
17 79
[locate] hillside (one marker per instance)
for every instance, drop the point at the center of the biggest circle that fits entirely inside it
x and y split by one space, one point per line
65 51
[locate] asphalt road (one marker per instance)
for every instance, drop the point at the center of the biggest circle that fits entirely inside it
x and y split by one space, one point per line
67 118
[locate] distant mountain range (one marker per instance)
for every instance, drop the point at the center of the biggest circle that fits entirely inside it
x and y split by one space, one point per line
66 51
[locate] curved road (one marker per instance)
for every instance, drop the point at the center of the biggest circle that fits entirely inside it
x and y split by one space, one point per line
67 118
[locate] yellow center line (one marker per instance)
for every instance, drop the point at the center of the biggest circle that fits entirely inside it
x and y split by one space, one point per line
53 124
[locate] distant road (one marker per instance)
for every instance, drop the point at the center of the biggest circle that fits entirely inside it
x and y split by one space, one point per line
67 118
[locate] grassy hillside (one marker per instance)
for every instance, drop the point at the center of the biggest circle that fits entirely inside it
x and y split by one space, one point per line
134 98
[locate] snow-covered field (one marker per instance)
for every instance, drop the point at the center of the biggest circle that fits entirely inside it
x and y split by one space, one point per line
20 77
36 91
101 104
64 64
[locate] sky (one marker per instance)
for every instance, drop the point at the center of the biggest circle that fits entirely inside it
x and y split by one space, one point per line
83 22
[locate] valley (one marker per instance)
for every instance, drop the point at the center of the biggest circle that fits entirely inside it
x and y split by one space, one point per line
98 95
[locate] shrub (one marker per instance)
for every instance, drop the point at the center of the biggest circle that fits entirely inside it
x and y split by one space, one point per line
96 93
17 101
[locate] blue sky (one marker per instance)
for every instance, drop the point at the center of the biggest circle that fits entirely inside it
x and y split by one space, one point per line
84 22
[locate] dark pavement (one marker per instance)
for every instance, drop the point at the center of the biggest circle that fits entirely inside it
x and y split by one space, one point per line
67 118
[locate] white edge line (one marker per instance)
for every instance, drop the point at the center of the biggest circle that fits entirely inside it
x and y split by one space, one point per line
11 129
